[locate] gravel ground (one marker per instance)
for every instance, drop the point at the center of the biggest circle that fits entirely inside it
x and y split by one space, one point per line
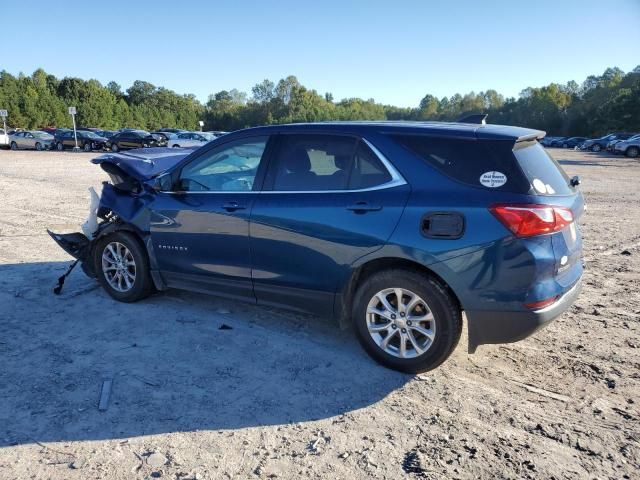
280 395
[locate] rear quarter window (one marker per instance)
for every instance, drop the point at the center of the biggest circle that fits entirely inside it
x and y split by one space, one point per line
469 160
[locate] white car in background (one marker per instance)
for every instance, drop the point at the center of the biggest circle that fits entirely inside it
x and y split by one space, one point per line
190 139
4 138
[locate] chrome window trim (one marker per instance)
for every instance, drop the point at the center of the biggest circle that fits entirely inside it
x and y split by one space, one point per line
396 180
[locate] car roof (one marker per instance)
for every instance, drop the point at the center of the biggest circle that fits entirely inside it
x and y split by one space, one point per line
444 129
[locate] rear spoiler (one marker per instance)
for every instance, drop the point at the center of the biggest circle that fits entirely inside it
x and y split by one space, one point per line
536 135
478 118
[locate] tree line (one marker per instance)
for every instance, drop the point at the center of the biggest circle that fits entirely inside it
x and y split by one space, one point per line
602 103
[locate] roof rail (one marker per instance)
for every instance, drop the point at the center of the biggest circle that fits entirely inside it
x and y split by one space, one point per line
479 118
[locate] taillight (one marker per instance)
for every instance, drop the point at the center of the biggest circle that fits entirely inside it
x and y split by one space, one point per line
532 220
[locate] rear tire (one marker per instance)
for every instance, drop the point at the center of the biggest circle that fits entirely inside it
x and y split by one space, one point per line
122 267
632 152
38 146
14 146
59 146
436 303
114 147
596 148
87 147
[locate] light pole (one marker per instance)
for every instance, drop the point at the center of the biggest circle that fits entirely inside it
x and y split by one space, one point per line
72 112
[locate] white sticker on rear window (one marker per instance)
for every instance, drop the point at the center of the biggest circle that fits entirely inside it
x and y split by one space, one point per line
493 179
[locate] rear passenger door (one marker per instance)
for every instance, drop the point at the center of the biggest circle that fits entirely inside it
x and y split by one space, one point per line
327 201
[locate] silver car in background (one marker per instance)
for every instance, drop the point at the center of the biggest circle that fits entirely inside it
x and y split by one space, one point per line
31 139
629 147
190 139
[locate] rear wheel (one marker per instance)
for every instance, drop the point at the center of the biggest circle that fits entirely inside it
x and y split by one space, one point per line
406 321
14 146
633 152
87 147
122 267
38 146
596 148
59 146
114 147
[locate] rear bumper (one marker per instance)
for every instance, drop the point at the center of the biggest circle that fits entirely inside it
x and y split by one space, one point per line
489 327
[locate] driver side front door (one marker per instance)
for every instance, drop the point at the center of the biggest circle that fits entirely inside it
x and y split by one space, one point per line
200 232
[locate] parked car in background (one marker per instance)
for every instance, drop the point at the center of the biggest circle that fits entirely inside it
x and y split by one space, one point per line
598 144
217 133
106 133
30 139
572 142
548 141
49 130
165 136
4 139
191 139
161 139
556 142
131 139
349 227
619 138
629 147
87 140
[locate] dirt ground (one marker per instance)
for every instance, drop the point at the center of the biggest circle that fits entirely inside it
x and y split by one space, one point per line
281 395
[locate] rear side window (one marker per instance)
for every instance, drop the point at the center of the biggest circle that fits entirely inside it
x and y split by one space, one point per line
483 164
319 162
367 170
312 162
542 171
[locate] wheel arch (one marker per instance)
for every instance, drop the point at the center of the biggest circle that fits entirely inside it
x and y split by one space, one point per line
144 240
345 295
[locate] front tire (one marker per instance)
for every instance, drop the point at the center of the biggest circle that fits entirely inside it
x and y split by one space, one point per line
406 320
14 146
59 146
632 152
38 146
122 267
87 147
596 148
114 147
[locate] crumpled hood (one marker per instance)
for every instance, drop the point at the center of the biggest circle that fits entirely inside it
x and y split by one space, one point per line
144 163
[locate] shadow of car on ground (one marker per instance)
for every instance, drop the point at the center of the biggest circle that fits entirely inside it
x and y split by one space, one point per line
173 367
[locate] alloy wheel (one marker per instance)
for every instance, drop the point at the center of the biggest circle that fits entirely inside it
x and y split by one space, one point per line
118 266
400 322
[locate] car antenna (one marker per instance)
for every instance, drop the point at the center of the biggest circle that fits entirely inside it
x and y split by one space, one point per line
479 118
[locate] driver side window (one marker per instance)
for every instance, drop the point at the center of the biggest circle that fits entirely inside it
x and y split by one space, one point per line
231 167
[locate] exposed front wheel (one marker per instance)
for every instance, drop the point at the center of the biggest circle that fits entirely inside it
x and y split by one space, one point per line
122 267
633 152
406 321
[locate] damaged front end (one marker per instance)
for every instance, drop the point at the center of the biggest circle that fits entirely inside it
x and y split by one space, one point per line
121 206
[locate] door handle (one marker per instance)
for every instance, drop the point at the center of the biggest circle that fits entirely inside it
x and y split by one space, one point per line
363 207
233 206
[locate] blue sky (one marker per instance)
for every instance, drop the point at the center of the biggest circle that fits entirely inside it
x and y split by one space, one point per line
393 51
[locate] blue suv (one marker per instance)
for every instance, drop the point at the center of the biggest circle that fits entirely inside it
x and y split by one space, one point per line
395 228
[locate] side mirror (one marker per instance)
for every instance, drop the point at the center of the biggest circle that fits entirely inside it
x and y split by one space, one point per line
163 183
